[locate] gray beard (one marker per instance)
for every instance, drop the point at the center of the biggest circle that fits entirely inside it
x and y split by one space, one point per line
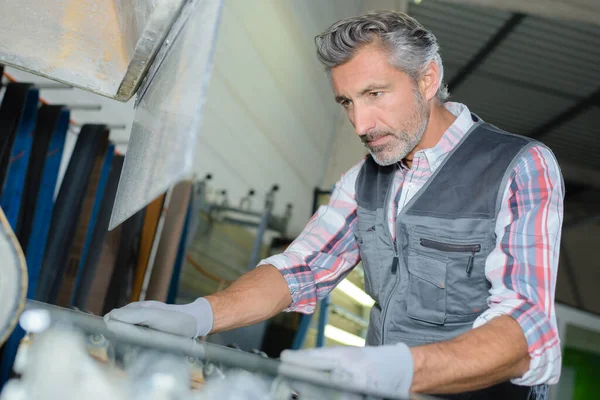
404 142
395 152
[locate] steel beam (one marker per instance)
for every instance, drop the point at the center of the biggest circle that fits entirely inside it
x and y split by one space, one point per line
486 50
567 115
551 91
587 11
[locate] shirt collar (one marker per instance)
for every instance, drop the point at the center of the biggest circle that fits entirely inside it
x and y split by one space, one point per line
455 132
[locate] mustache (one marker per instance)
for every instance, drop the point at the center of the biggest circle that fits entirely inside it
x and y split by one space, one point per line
371 136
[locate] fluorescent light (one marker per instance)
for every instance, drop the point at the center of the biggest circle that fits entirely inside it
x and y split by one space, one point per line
356 293
343 337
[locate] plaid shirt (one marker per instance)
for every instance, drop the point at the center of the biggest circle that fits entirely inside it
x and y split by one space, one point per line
522 268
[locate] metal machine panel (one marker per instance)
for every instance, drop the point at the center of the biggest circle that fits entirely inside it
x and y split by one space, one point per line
103 46
167 119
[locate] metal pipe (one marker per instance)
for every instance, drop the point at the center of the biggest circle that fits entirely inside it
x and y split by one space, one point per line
52 86
246 201
237 210
233 221
113 127
300 336
286 219
224 201
341 311
262 227
84 107
323 318
120 141
108 126
145 337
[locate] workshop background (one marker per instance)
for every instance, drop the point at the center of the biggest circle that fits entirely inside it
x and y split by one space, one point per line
273 142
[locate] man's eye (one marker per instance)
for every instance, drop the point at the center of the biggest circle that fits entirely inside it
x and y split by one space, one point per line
375 94
345 103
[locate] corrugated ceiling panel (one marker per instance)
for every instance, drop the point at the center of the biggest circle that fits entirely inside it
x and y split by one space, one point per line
541 69
576 26
578 140
513 108
546 53
461 30
453 11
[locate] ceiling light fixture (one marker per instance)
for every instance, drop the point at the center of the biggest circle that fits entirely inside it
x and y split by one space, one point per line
350 289
343 337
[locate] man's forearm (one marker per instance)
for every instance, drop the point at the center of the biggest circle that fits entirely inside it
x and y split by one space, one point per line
490 354
258 295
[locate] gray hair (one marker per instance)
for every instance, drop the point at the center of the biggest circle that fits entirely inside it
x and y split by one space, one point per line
411 47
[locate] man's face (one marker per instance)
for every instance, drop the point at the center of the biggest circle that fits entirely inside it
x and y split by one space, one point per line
383 104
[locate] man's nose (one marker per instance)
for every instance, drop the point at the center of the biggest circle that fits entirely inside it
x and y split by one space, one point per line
363 120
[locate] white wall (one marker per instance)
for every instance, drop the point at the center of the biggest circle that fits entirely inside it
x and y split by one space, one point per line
270 115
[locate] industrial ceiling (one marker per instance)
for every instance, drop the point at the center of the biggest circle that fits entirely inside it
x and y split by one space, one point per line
539 78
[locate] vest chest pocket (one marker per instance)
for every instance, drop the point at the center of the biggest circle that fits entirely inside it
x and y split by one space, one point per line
426 295
454 248
466 285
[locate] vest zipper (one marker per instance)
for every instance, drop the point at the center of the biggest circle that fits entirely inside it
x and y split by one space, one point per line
401 214
394 270
389 299
454 248
470 264
395 261
449 247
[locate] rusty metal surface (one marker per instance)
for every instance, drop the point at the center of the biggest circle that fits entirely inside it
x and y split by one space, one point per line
102 46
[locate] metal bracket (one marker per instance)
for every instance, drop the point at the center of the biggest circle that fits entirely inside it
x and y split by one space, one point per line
164 50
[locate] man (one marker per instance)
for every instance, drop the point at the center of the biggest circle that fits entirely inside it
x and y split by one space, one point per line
457 224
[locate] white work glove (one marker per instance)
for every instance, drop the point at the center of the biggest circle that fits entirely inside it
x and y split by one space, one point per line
189 320
384 369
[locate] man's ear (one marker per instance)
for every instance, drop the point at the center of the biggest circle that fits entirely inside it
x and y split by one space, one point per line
429 82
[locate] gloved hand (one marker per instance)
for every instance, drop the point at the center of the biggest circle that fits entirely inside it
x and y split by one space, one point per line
189 320
385 369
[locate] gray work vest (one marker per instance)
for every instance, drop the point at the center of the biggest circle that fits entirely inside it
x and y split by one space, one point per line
429 284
